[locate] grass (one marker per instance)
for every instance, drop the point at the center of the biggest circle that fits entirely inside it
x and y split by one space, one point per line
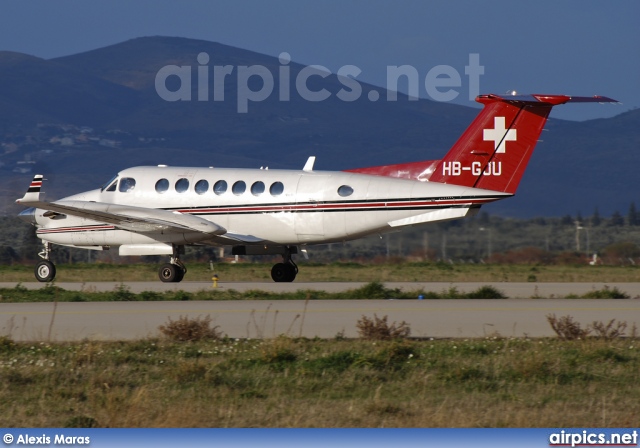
311 272
369 291
285 382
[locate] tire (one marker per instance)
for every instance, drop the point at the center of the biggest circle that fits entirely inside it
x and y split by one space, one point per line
180 275
45 271
283 272
169 273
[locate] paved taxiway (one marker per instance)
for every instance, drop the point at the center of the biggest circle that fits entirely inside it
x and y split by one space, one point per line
322 318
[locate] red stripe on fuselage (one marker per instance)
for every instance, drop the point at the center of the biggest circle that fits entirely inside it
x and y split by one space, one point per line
426 204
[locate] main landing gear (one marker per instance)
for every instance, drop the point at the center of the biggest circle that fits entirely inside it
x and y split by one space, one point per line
174 271
45 271
285 271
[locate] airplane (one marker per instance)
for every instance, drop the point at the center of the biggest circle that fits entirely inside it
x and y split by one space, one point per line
158 210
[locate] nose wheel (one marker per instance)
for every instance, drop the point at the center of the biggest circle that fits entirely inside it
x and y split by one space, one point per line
45 271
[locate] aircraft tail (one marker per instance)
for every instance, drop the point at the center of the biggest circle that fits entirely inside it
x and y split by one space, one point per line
493 152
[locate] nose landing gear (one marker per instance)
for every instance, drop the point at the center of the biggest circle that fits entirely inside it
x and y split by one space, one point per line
45 271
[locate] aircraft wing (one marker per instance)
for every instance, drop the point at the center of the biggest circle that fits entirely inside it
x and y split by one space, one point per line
233 239
135 219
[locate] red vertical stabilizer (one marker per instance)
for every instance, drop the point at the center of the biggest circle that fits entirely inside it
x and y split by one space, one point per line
494 151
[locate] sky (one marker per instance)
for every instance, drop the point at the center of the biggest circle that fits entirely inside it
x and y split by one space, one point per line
575 47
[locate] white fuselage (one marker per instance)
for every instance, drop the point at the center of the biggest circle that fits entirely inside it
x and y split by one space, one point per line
279 207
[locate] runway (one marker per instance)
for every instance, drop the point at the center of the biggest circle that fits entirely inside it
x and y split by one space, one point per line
515 317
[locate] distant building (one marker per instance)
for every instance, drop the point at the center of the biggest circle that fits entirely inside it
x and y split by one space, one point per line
67 141
109 143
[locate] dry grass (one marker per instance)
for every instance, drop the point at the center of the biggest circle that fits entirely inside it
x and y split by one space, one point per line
568 329
190 330
377 329
286 382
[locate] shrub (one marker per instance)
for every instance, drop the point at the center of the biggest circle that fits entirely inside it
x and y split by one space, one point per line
606 293
81 421
486 292
379 329
185 329
370 291
614 329
6 344
149 296
122 293
566 328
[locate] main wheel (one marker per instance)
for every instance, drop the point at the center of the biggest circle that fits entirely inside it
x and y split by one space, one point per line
45 271
283 272
180 275
170 273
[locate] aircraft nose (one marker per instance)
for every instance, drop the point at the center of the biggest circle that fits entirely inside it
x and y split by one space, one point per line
28 215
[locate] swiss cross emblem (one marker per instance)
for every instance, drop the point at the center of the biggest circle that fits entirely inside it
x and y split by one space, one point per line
498 134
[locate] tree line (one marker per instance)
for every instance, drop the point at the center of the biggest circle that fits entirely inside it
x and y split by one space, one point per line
485 238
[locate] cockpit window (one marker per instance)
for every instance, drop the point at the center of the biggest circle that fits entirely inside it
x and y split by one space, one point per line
110 183
126 184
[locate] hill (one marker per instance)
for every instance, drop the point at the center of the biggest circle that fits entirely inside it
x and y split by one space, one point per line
80 118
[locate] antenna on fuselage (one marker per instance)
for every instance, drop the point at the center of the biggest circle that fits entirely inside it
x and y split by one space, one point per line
309 165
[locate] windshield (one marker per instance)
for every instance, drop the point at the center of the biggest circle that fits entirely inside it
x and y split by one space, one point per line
106 184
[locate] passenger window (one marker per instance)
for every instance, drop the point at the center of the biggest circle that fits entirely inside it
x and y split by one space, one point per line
127 184
276 189
162 185
239 188
182 185
257 188
202 186
345 190
220 187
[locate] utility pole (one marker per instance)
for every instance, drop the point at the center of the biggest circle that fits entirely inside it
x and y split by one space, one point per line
489 251
425 245
444 245
578 229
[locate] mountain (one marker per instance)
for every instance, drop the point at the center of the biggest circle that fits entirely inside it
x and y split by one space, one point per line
80 118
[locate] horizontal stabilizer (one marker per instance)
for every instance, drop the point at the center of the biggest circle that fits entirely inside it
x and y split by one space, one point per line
444 214
552 100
